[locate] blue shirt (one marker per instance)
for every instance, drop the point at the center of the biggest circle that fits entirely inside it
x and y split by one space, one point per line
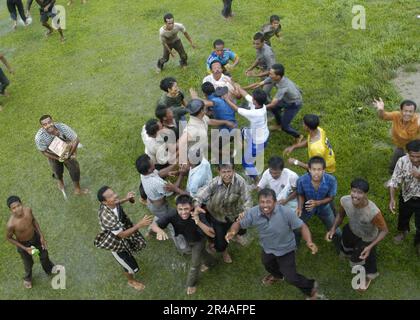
327 188
275 232
199 177
221 110
223 59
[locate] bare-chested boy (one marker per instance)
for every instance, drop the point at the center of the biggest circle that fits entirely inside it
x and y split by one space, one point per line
23 231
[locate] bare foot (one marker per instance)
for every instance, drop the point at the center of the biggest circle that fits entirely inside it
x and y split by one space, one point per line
81 191
48 33
14 26
274 127
136 285
226 257
27 284
63 39
191 290
204 268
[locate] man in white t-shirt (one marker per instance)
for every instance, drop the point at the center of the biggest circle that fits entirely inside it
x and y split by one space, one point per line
256 135
218 79
169 38
282 181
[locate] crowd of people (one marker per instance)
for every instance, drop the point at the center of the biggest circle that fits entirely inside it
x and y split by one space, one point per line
210 211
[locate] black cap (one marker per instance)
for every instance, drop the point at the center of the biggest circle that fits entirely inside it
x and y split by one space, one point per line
221 91
194 106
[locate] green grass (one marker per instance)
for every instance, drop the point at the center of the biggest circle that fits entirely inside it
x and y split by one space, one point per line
102 83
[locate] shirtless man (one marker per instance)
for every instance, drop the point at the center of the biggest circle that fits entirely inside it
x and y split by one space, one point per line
23 231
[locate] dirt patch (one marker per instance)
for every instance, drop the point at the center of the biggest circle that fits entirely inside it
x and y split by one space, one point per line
408 82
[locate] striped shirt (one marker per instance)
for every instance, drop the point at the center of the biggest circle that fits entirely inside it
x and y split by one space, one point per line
43 139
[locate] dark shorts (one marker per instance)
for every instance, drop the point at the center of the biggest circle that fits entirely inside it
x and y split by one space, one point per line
46 15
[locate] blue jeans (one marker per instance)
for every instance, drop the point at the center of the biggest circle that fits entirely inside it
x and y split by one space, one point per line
251 153
290 110
326 215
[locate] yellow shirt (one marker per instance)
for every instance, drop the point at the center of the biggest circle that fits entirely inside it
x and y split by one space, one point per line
322 148
403 133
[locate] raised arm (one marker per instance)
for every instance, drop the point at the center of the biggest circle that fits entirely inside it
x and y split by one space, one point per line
380 106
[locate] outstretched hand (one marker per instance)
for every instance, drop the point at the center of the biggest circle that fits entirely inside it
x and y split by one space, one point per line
379 104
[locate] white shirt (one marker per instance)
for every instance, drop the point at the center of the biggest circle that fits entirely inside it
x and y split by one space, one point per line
282 186
258 121
155 148
224 81
115 210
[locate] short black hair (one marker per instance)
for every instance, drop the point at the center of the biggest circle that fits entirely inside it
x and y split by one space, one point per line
276 163
45 116
184 199
274 17
222 165
259 36
100 194
315 160
215 61
208 88
168 16
152 127
413 146
167 83
12 199
143 164
218 42
267 192
408 103
260 96
360 184
311 121
278 69
160 112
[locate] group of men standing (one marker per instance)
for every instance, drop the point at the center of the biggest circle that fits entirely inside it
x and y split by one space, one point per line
212 211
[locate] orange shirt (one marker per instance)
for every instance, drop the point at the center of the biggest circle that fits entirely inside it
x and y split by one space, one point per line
403 133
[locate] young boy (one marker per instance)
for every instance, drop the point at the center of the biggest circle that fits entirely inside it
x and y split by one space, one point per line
271 29
317 144
24 232
316 190
282 181
365 229
257 134
195 229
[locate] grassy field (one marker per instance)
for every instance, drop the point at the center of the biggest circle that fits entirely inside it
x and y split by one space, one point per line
102 83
